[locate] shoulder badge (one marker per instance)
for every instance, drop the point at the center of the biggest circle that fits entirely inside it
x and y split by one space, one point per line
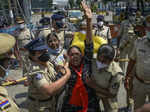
4 104
115 86
39 76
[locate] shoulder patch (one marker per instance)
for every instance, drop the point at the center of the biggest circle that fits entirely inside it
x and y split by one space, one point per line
39 76
115 86
4 104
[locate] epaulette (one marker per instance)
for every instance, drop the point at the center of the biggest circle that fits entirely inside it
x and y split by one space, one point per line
4 104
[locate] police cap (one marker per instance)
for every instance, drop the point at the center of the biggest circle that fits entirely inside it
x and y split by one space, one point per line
57 17
100 18
36 45
45 21
7 42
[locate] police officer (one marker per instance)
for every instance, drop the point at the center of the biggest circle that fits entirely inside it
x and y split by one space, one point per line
106 78
102 30
42 79
7 42
140 59
45 29
123 41
58 25
23 37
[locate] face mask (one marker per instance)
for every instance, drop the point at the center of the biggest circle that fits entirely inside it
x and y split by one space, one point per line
44 57
100 65
22 26
54 51
148 24
100 24
83 32
7 73
148 35
59 24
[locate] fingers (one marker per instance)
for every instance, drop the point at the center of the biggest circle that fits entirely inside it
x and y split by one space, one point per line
66 64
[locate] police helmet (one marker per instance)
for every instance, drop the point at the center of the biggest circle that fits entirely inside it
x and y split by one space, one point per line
107 51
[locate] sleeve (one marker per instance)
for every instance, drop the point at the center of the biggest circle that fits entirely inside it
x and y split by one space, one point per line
133 53
115 84
88 52
121 30
109 33
39 80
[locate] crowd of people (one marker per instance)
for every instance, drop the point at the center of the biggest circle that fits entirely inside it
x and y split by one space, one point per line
66 77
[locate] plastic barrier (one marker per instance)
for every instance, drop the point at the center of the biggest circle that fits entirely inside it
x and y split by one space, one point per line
79 38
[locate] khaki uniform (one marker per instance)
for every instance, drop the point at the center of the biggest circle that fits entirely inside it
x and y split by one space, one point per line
124 45
104 33
7 42
64 37
10 106
39 76
44 33
110 79
141 54
23 38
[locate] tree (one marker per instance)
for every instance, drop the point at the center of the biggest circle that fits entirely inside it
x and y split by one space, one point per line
71 3
50 3
78 2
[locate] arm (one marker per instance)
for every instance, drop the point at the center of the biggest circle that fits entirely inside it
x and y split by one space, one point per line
129 75
88 16
99 90
54 87
119 35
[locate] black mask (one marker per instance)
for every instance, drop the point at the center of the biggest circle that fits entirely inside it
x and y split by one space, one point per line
59 24
44 57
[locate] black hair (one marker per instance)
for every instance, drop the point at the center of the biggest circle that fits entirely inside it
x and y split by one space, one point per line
51 35
107 51
74 46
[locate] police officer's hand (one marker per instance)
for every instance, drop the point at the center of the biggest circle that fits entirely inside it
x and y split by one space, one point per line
87 10
66 67
127 83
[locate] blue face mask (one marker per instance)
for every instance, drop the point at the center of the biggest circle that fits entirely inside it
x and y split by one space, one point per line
59 24
54 51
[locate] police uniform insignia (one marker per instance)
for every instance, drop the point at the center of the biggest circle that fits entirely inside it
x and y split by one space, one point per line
4 105
115 86
39 76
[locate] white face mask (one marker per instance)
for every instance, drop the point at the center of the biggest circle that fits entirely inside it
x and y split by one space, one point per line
100 65
22 26
148 24
100 24
83 32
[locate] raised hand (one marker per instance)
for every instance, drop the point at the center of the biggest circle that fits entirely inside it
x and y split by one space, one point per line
87 10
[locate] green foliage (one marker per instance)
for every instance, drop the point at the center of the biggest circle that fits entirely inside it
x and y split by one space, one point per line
94 8
71 3
50 3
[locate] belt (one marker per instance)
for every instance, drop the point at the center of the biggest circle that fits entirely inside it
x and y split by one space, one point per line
142 80
42 100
